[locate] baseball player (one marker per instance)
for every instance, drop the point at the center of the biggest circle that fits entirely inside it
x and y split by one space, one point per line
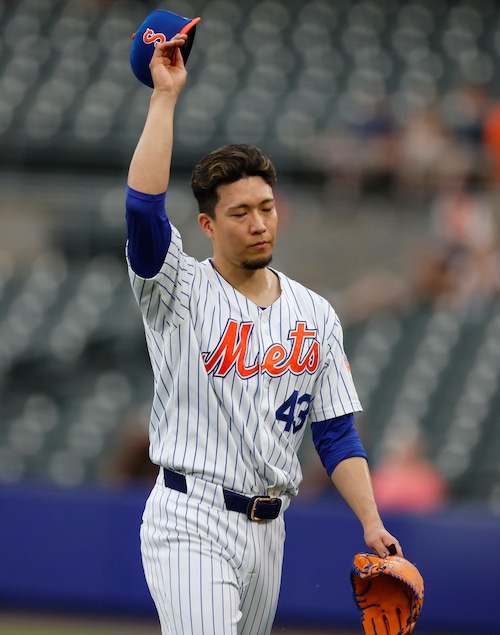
243 358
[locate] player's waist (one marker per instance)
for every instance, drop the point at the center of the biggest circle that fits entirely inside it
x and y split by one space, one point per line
256 508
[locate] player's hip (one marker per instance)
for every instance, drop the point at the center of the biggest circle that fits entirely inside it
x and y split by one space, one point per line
199 521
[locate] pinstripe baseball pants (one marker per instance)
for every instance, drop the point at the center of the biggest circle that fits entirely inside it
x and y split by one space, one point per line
210 571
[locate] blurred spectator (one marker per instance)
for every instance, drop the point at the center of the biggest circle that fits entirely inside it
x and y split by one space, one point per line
405 480
491 140
337 154
378 140
424 145
462 268
465 110
457 266
369 151
359 155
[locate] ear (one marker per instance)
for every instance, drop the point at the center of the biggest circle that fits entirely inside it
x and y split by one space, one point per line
206 224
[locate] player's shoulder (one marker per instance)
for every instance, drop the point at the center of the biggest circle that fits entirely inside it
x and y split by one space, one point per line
305 296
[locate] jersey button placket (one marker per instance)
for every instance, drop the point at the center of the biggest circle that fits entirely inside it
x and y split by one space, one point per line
266 439
265 343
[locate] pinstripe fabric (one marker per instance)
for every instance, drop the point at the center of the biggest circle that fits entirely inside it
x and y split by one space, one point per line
235 387
239 423
210 571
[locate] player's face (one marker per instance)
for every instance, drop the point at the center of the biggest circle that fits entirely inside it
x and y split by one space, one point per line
243 231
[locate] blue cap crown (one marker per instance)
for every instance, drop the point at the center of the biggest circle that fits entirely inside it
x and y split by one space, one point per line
159 26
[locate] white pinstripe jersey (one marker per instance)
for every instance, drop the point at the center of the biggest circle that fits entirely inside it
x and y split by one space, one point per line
235 385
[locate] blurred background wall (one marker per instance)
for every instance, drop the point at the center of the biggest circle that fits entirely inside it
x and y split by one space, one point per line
383 119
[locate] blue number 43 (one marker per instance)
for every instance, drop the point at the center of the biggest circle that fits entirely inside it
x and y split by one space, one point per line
294 410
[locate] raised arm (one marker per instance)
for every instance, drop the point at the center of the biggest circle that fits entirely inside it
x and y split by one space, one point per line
149 170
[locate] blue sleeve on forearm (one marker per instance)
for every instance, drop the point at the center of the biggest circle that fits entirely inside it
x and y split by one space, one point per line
336 440
149 231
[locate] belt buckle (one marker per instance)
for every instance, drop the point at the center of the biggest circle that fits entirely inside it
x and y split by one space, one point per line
252 507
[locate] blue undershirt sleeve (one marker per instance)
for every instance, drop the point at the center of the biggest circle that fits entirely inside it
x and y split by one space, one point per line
149 231
335 440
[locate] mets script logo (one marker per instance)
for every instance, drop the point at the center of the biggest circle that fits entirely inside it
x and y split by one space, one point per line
150 37
231 352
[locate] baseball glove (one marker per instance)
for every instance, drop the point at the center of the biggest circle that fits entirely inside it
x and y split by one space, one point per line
389 593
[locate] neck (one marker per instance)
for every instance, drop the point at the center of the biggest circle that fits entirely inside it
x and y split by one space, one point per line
261 286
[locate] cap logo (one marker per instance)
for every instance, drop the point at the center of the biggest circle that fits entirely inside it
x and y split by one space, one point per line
150 37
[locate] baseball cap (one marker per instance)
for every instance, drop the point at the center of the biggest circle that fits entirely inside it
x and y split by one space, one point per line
159 26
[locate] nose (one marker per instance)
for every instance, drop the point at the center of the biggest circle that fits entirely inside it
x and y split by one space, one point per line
258 226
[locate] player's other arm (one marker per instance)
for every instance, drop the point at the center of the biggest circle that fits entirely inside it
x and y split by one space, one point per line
149 170
352 479
342 453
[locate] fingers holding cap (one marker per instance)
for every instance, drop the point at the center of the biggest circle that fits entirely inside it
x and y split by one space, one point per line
158 30
169 48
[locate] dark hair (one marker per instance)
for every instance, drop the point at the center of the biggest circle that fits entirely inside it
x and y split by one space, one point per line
228 165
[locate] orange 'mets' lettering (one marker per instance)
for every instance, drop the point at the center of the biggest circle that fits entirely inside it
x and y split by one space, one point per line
231 351
233 347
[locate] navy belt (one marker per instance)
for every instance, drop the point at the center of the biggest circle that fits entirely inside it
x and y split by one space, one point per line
254 507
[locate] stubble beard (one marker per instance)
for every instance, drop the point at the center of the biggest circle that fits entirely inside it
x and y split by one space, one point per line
254 265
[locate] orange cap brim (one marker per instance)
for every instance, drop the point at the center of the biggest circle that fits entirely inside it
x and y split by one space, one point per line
185 29
190 25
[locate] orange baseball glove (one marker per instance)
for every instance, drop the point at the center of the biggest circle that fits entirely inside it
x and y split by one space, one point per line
389 593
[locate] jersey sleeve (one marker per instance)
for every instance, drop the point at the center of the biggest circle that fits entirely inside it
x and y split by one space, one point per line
160 273
335 393
149 231
336 440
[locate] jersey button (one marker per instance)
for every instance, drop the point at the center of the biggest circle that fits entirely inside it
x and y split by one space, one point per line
265 317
